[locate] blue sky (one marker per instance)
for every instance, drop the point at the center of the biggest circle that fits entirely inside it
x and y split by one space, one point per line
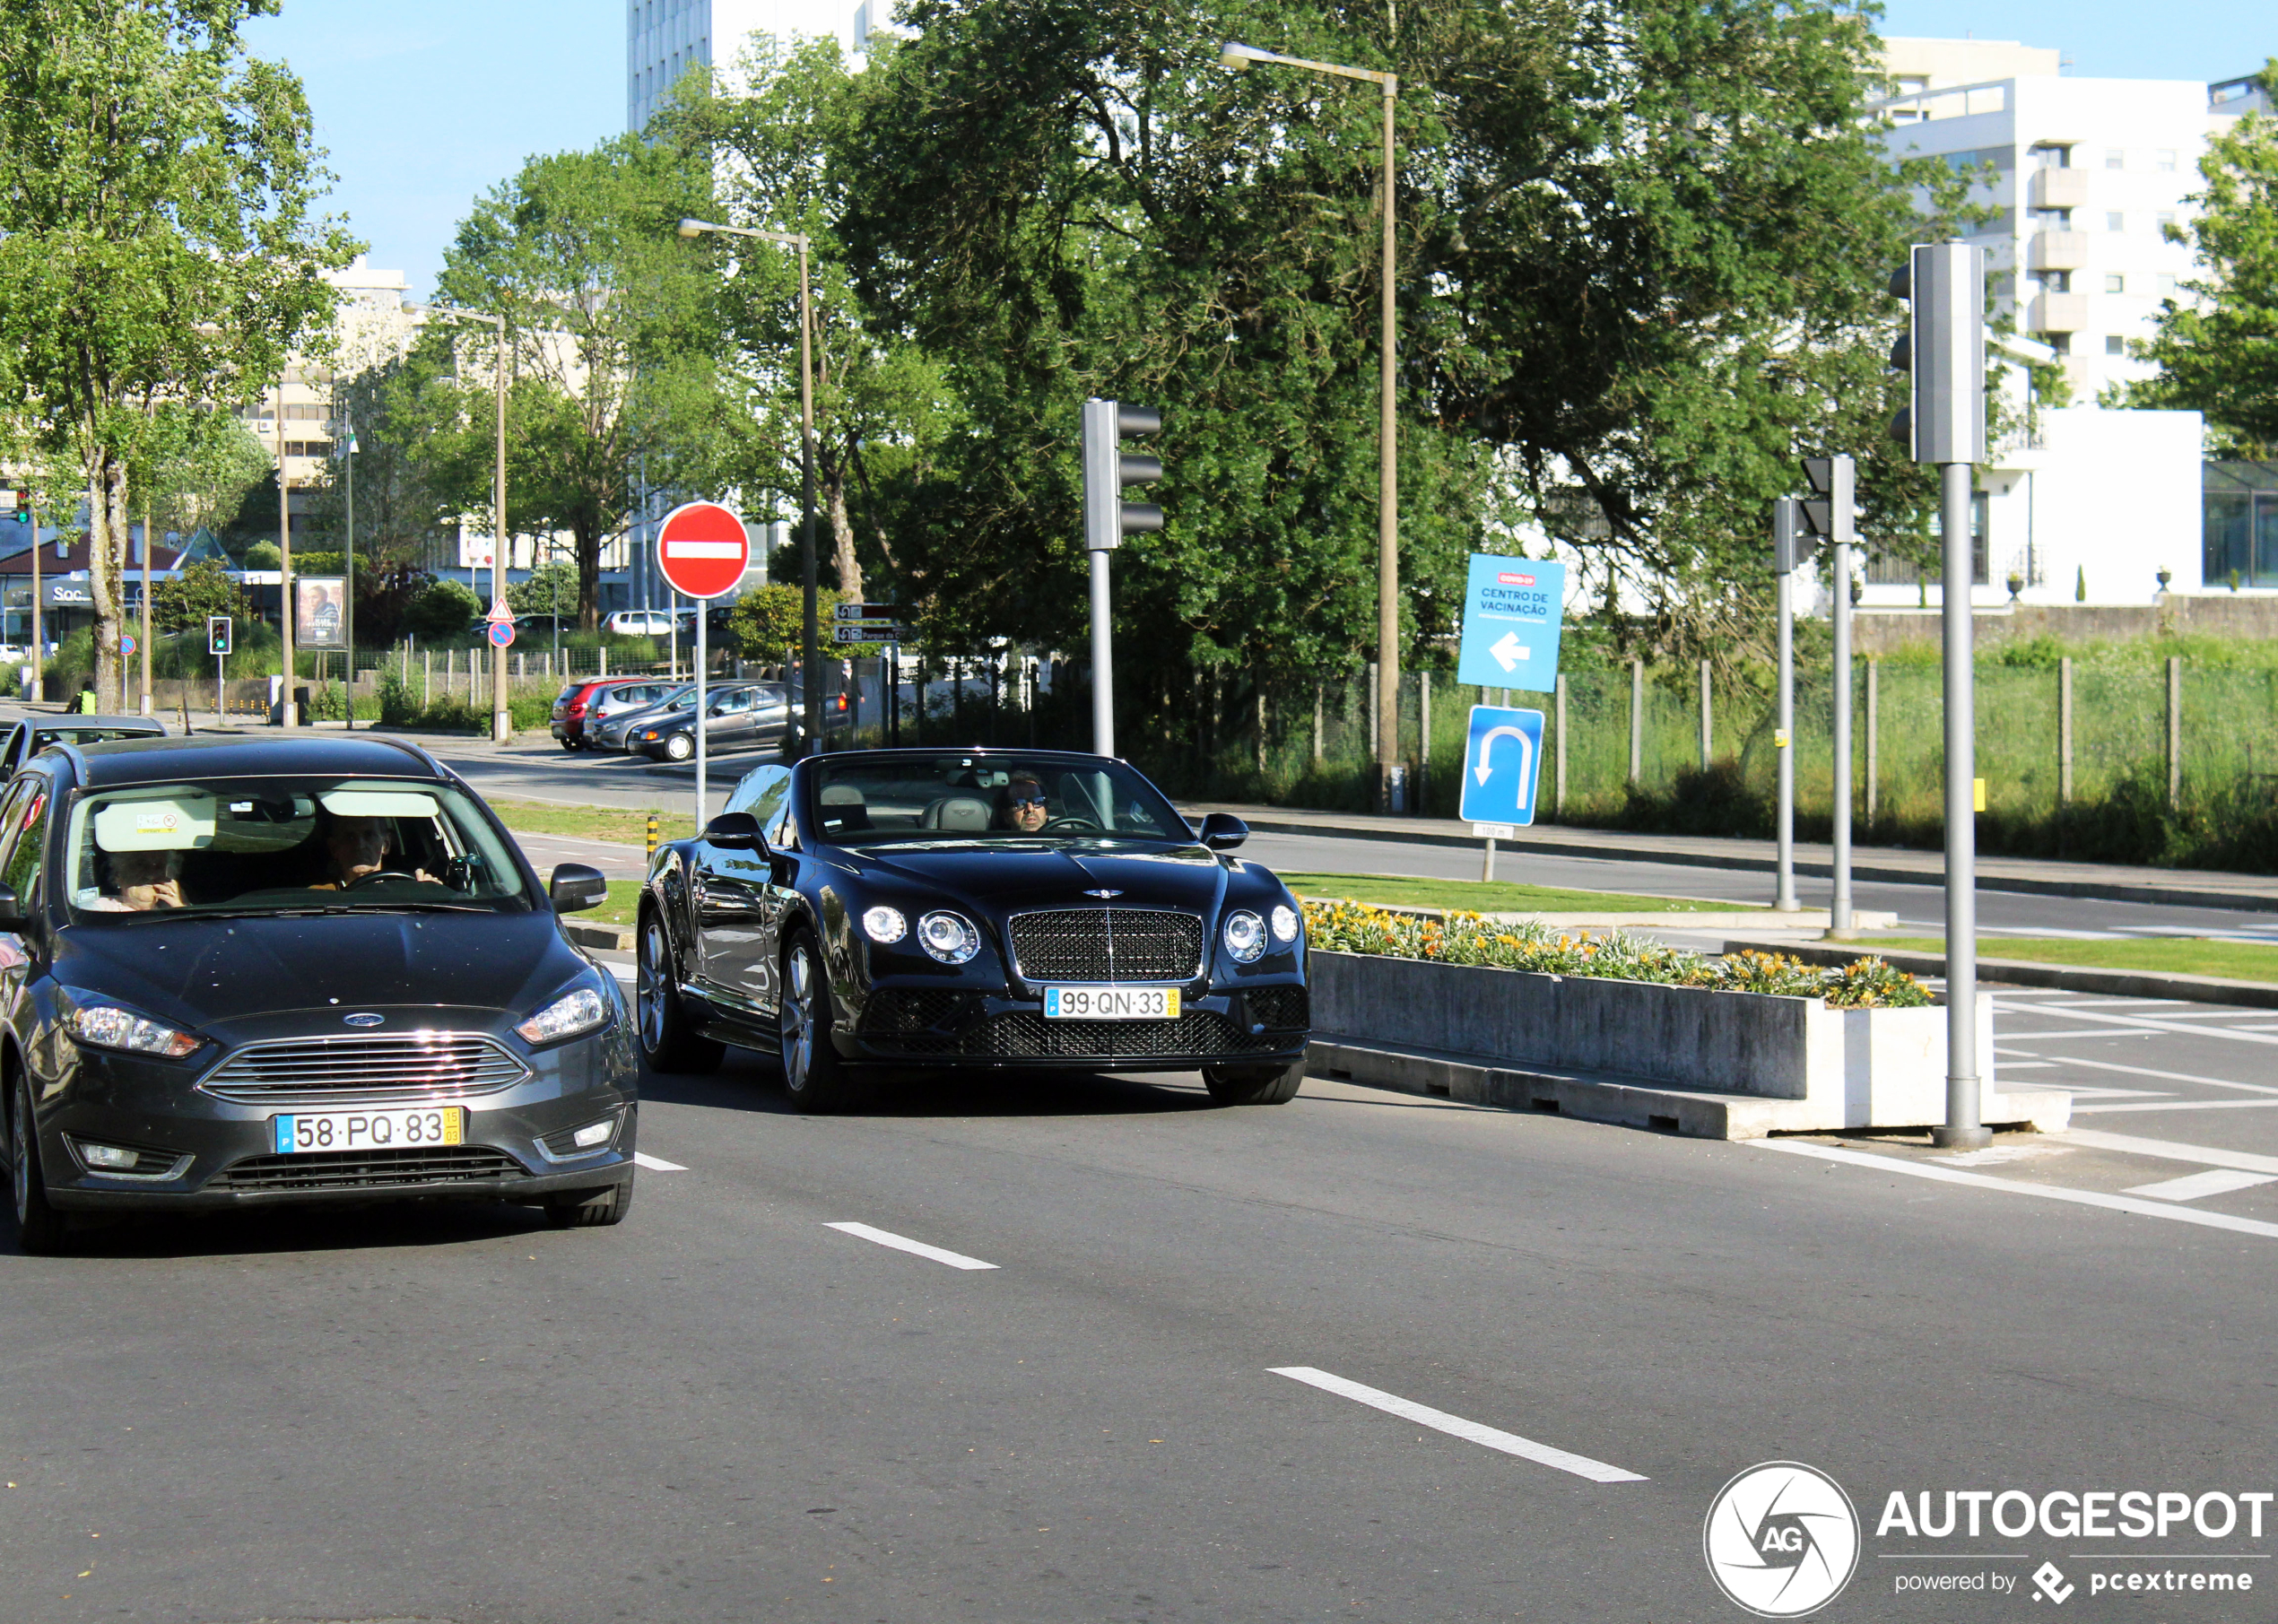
426 104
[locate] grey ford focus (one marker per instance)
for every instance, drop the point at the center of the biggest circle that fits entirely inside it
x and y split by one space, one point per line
235 973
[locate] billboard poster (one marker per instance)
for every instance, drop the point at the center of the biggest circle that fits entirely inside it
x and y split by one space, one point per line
319 601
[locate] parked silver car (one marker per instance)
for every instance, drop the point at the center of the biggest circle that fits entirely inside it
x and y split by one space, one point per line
613 727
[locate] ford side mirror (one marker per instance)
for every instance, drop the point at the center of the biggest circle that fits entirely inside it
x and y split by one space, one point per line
11 914
735 832
576 888
1223 831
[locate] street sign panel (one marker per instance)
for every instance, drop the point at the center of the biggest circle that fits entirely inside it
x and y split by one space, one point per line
1512 608
869 634
702 549
499 610
889 614
127 644
1502 763
502 634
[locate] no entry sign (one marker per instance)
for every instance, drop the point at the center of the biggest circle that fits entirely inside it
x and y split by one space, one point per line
702 549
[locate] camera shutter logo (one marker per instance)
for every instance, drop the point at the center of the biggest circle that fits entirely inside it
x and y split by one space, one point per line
1781 1539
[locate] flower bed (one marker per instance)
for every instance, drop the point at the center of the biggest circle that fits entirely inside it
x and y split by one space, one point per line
1467 938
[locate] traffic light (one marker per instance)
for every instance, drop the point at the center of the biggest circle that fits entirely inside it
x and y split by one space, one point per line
1944 351
1831 513
1792 549
1108 518
15 502
217 634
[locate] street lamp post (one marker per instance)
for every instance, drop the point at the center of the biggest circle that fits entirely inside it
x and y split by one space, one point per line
810 657
501 719
1388 740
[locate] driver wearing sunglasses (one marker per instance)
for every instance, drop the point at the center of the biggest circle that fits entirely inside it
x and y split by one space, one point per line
1022 806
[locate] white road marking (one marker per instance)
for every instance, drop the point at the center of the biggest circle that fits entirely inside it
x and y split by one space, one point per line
2143 1023
2010 1187
2172 1150
1992 1155
2119 1031
623 972
902 1243
656 1164
2140 1071
2192 1186
1510 1443
2026 1066
2182 1104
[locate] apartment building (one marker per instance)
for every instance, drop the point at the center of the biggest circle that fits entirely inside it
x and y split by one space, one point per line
664 38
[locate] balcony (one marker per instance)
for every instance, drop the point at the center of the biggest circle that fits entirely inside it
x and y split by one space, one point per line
2058 189
2058 313
2056 251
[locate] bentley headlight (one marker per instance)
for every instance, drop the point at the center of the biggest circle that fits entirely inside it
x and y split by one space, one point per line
1285 923
580 1012
949 937
103 1026
1245 936
882 924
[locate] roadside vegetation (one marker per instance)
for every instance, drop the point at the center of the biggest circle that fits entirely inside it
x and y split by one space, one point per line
1489 897
2165 955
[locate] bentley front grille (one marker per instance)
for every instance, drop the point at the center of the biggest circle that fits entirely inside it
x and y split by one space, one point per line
365 1070
1107 944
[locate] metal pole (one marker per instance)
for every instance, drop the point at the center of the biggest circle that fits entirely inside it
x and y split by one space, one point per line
1388 742
501 719
1963 1125
811 658
288 715
701 649
348 608
2064 731
1707 733
2175 731
1559 703
1838 922
1103 687
1784 724
38 632
148 542
1873 738
1637 720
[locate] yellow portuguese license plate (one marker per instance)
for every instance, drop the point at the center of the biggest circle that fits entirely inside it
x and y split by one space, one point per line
1111 1004
424 1125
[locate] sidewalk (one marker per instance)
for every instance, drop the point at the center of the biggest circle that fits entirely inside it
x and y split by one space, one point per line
2048 877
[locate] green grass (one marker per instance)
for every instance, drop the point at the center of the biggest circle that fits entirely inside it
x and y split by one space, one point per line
2170 955
627 826
625 896
1495 896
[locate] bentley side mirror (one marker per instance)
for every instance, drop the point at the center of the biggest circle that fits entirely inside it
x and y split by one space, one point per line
735 832
11 914
1223 831
574 887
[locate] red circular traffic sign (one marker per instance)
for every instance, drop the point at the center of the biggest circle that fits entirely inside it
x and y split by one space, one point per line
702 549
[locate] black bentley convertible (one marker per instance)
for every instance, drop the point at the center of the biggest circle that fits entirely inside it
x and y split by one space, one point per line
869 913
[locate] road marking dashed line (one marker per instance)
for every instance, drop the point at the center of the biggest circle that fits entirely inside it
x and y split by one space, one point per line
2174 1149
902 1243
1491 1437
2192 1186
656 1164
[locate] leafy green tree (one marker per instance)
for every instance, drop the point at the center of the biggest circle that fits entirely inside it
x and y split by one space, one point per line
183 602
441 610
552 588
2216 346
156 187
610 329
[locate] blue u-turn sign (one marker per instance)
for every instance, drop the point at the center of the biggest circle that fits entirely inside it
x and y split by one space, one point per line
1502 763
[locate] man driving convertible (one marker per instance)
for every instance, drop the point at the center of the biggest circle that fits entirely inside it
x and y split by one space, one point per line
1022 806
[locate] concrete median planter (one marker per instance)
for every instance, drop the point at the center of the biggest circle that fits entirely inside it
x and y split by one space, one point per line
1728 1066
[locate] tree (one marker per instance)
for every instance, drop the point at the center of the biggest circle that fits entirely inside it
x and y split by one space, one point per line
155 191
183 601
552 588
2217 347
442 609
610 329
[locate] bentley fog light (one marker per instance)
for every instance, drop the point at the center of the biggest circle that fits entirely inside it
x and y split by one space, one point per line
1284 924
884 924
1245 936
948 938
100 1025
580 1012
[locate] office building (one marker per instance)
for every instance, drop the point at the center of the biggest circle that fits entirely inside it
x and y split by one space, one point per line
664 38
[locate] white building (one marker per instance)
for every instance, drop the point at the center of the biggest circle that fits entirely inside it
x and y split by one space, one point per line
664 38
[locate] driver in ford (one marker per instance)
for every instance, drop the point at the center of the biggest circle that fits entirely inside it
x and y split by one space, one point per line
355 847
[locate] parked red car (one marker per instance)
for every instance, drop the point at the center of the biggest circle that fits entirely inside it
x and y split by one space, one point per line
575 703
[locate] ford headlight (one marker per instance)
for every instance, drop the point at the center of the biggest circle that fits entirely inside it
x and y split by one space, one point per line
580 1012
1284 924
1245 936
103 1026
883 924
949 937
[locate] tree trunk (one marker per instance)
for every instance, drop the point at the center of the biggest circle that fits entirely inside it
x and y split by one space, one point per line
106 526
588 581
842 536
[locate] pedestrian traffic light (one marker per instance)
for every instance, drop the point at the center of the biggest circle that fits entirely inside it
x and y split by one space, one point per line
15 501
1792 548
217 634
1831 513
1108 518
1944 350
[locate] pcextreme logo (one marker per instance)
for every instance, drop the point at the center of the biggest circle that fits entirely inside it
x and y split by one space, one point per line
1782 1540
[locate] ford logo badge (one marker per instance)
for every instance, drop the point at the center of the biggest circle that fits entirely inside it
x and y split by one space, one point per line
364 1019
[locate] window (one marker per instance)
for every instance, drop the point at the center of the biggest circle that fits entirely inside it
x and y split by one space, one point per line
2114 159
2165 218
2062 342
2054 281
2116 222
2114 344
2052 158
23 871
2114 282
2053 220
2163 160
2166 282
